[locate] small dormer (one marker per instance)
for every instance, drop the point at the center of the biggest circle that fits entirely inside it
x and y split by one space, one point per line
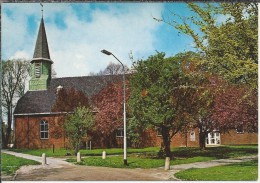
59 88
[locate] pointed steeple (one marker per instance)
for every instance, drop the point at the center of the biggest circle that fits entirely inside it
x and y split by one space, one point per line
41 62
41 51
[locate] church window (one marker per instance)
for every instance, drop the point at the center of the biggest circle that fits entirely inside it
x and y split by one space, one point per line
44 129
120 132
240 129
158 131
37 70
192 136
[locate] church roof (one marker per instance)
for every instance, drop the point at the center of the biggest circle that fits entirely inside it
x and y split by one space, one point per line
41 102
41 51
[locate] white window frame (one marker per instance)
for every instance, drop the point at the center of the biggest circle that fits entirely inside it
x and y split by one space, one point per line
158 131
45 131
192 136
121 130
240 132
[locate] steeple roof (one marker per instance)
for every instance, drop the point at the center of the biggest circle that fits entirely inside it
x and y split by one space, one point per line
41 51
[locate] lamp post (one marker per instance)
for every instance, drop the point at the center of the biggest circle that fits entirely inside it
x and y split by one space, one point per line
109 53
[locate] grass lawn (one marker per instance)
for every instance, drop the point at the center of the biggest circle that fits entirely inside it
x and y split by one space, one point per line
182 155
135 161
220 152
49 153
95 152
246 171
179 152
12 163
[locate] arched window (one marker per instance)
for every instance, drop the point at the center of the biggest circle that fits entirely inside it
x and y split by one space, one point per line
44 129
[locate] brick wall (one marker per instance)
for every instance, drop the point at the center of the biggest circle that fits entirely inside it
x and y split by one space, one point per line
232 137
27 132
27 135
150 138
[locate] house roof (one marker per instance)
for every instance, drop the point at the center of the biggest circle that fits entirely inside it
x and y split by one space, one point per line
41 101
41 50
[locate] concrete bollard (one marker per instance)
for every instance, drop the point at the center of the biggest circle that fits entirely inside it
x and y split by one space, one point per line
104 155
44 159
78 157
167 163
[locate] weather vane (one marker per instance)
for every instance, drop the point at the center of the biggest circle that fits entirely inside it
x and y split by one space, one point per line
42 8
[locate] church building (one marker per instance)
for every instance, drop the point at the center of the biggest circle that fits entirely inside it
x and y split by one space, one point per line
34 120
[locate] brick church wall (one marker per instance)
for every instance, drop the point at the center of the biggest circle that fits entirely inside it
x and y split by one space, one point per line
27 132
27 135
151 138
232 137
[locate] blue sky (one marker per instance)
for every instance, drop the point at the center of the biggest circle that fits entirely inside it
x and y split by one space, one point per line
76 33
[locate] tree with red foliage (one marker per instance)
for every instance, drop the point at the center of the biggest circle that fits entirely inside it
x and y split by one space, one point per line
234 107
205 97
109 117
68 99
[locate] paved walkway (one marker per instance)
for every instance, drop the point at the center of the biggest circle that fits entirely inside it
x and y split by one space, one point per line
58 169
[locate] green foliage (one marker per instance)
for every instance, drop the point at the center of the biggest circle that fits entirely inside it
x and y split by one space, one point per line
77 125
234 172
226 34
164 94
12 163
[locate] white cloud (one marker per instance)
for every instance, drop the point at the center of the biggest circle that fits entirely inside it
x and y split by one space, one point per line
21 55
76 49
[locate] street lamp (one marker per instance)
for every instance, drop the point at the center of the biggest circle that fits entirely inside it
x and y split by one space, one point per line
109 53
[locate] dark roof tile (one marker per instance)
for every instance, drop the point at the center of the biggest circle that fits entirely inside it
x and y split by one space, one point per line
43 100
41 46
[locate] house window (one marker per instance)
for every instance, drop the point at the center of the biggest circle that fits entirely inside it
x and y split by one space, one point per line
240 129
192 136
158 131
44 129
120 132
37 70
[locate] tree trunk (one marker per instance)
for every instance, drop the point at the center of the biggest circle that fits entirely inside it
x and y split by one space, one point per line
3 135
202 138
166 141
9 127
77 147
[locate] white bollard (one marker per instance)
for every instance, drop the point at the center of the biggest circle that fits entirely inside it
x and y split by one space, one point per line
167 163
43 159
104 155
78 157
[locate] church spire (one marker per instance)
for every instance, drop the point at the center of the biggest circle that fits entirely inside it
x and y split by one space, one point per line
41 48
41 62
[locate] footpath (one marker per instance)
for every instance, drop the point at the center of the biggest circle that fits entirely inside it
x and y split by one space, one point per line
57 169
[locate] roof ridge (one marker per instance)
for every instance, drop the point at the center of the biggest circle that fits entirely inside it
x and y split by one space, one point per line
86 76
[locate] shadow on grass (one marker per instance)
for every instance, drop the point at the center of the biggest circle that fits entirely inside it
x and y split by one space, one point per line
217 152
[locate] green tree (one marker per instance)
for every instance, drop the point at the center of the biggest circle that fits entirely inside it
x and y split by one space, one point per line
14 74
77 125
163 94
226 36
229 44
